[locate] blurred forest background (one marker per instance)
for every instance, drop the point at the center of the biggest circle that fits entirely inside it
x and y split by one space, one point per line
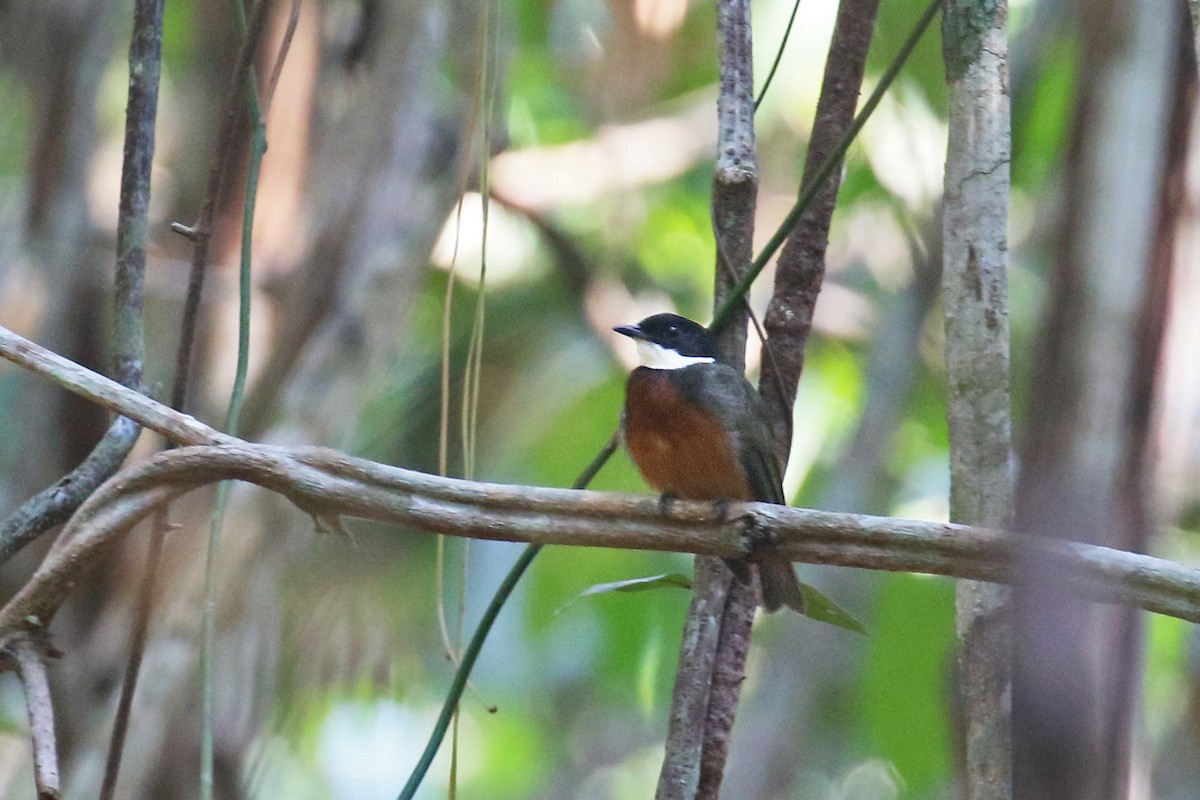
602 125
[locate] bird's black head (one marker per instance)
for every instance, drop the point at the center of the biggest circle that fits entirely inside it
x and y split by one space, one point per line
669 341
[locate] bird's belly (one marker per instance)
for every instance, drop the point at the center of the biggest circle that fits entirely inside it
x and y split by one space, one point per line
680 450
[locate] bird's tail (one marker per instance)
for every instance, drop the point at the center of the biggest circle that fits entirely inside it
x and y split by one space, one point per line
779 586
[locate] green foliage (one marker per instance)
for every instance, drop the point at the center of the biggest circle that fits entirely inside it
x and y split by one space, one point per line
820 608
540 113
552 397
669 580
13 121
904 692
501 754
1041 116
924 69
1167 677
179 36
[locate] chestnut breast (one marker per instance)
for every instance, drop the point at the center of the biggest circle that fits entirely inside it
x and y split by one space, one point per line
680 448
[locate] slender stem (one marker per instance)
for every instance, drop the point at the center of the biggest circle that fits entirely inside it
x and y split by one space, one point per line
787 33
827 167
201 232
137 648
41 719
56 503
258 147
454 694
468 662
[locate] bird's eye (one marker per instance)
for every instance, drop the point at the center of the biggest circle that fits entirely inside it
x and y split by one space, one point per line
672 329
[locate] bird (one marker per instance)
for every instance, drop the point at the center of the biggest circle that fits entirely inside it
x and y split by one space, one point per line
697 430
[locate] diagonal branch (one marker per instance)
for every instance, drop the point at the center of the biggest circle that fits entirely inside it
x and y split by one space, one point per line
174 425
801 268
56 503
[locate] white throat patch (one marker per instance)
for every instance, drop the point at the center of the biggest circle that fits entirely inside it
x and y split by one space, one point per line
655 356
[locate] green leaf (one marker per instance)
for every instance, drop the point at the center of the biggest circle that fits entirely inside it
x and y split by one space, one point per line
670 580
819 607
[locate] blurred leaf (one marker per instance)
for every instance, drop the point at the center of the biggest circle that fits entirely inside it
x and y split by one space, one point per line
924 70
871 780
1042 116
1166 677
904 688
650 670
673 579
14 154
503 748
180 35
820 608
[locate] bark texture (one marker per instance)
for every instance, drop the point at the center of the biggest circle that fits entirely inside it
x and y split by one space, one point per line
801 267
978 406
716 635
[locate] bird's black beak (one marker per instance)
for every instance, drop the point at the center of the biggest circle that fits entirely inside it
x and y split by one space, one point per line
632 331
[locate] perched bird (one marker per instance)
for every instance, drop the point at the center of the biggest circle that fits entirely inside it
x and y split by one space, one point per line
696 429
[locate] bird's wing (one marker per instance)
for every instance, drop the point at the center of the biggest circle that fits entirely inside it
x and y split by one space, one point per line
762 473
728 394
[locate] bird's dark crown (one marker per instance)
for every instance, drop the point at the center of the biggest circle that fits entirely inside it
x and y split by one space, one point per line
674 332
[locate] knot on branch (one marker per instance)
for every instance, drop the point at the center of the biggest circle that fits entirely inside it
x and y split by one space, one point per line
756 538
34 642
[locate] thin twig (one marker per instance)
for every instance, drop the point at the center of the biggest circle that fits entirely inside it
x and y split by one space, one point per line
280 58
56 503
258 148
828 166
200 233
41 717
783 42
133 666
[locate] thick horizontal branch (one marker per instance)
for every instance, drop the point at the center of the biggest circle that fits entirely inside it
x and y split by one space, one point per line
327 484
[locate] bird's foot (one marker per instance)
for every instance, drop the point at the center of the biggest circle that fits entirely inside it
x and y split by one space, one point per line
665 500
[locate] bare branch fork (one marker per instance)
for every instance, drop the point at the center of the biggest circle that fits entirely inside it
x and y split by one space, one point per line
326 483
